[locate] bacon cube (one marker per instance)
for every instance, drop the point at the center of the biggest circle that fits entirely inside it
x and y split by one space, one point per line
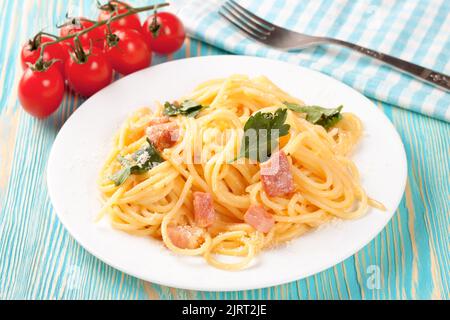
276 176
185 237
164 135
259 218
203 209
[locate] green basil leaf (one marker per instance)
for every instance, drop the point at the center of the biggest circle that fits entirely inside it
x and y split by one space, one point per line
171 110
121 176
326 118
259 138
141 162
188 108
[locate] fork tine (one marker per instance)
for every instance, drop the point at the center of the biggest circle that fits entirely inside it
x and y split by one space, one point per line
245 22
254 18
226 14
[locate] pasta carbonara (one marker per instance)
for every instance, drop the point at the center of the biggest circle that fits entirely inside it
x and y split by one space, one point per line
185 173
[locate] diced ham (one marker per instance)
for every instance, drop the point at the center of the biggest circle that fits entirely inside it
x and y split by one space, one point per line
164 135
158 120
259 218
204 213
185 237
276 176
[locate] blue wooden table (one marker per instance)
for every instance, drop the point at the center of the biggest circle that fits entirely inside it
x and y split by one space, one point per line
40 260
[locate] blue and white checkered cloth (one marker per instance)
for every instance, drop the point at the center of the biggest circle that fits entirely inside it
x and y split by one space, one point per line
413 30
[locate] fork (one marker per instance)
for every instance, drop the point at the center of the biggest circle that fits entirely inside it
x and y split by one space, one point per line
284 39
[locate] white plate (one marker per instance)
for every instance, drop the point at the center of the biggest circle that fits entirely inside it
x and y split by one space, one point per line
85 140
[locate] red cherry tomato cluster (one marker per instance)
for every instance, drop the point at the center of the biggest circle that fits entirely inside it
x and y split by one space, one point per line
86 61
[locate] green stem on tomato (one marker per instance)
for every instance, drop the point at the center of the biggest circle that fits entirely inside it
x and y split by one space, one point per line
78 53
43 33
70 21
111 7
130 11
36 41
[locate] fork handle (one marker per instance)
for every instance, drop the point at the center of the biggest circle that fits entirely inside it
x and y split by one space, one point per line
435 78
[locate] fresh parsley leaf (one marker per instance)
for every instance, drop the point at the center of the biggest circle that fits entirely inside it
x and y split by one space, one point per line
188 108
326 118
261 133
171 109
141 162
121 176
124 161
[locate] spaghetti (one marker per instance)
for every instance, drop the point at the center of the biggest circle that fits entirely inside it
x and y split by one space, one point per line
159 202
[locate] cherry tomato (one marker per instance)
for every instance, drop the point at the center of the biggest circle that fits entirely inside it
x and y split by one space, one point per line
166 34
96 36
41 92
127 51
31 52
90 74
113 8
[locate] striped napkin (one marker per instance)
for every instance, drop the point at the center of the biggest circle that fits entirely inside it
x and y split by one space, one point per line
413 30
